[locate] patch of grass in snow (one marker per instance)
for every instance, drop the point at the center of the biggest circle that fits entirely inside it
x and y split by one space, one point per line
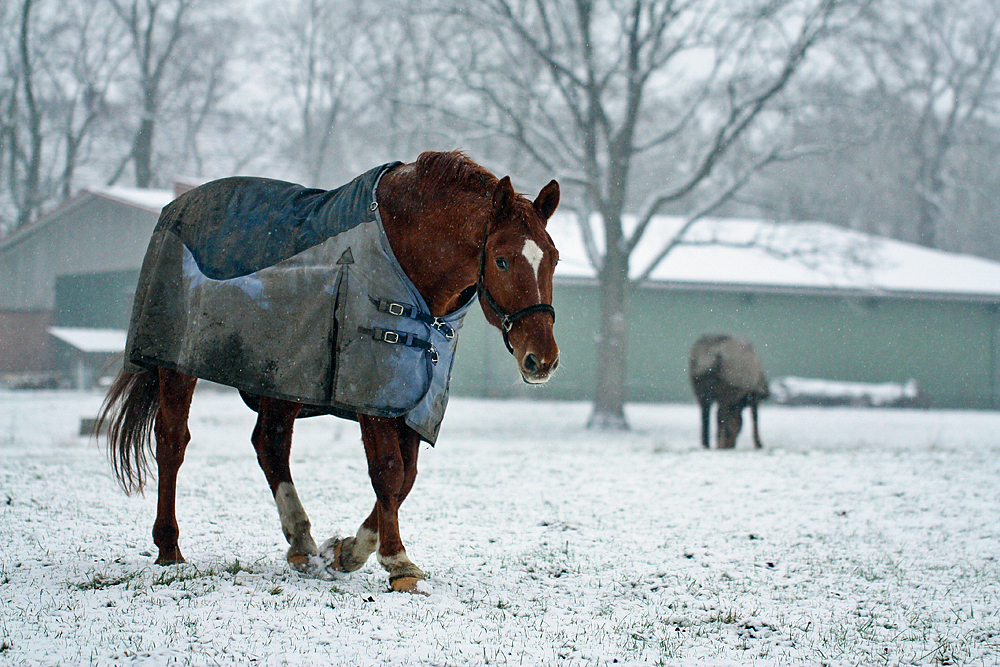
100 581
905 636
730 615
179 574
235 568
878 569
167 577
650 636
551 560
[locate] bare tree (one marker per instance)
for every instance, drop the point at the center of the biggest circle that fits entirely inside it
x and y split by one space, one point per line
591 89
316 45
155 29
30 199
938 61
49 78
81 64
402 66
10 84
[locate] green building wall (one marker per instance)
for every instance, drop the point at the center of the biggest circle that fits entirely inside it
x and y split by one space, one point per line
100 300
949 347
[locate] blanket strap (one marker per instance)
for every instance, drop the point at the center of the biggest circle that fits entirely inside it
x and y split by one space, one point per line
400 338
406 310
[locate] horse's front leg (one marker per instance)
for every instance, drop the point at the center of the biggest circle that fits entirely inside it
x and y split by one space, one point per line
272 438
391 448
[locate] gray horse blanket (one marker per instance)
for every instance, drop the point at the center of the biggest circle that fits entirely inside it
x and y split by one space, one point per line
294 293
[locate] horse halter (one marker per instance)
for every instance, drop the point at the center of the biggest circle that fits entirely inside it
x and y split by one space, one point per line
507 320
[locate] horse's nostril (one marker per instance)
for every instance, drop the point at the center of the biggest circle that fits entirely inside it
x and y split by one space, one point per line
531 363
555 364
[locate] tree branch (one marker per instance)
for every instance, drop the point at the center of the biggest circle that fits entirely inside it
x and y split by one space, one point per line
720 199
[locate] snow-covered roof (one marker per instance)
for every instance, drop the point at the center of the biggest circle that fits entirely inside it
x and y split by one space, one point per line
152 200
753 254
146 199
787 256
91 340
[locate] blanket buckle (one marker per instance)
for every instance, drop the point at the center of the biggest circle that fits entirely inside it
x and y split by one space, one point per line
443 327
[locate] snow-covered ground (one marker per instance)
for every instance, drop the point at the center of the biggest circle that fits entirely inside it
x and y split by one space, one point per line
855 537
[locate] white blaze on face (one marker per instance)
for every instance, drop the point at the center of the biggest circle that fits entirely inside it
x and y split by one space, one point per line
534 255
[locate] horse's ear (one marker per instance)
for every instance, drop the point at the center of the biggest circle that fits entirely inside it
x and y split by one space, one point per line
547 200
503 197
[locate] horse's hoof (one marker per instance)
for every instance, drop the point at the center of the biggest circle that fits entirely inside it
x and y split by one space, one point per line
339 556
165 562
330 552
299 561
172 557
407 585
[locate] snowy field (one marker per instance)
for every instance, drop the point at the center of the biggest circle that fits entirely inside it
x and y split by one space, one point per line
855 537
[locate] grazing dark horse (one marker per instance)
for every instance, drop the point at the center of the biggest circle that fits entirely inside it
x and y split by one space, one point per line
727 371
455 230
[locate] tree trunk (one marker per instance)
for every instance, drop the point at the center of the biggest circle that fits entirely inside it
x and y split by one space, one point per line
932 187
69 166
612 353
142 153
31 198
926 223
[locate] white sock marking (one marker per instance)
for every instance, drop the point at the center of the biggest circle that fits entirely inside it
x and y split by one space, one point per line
367 540
294 521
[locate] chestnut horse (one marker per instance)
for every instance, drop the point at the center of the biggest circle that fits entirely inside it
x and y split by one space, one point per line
453 228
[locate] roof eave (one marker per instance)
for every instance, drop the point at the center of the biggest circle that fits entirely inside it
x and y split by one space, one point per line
125 202
797 290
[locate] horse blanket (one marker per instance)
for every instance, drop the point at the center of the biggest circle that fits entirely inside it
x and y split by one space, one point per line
732 360
294 293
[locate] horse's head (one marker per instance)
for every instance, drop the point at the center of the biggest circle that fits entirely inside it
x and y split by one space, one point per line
730 425
515 277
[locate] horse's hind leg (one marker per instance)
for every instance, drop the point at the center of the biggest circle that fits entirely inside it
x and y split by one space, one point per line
391 448
756 432
172 437
272 438
705 412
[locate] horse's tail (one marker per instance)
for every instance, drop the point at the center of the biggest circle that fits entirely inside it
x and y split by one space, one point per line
129 410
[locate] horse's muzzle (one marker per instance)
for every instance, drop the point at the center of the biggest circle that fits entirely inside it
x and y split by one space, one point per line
536 369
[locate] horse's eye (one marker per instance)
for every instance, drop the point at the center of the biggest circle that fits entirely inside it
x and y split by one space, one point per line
502 264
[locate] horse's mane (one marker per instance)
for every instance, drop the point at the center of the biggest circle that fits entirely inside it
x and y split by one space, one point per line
454 169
